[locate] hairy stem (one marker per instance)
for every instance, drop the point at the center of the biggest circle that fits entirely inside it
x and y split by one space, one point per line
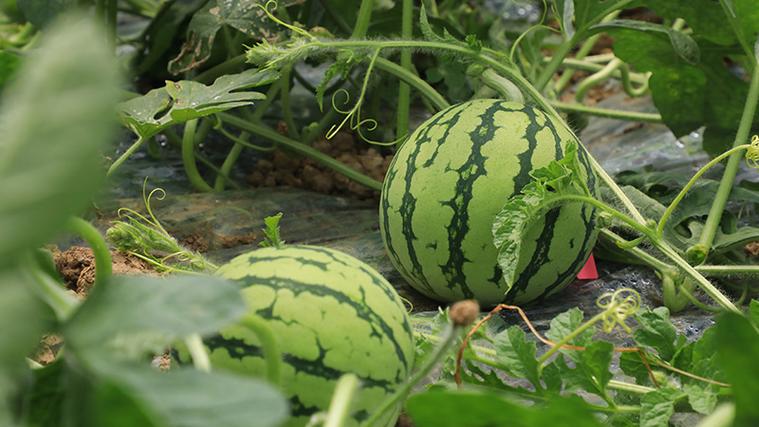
287 112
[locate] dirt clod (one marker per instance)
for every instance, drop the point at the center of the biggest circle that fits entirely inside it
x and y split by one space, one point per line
76 266
287 169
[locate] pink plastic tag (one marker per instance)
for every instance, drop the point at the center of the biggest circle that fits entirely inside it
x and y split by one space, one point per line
589 271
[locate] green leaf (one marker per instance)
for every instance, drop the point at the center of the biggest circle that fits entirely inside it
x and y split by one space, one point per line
701 397
656 408
145 115
243 15
9 64
56 120
579 15
633 366
564 324
659 35
271 230
688 94
163 29
591 371
131 315
190 398
753 311
655 331
185 100
738 351
446 408
18 307
518 354
705 17
42 12
559 178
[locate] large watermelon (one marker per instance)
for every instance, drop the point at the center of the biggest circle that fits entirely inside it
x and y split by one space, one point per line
447 183
331 314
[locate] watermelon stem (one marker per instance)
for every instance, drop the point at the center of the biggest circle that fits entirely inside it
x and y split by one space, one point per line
269 344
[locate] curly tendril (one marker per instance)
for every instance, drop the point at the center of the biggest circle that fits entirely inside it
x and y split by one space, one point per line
269 9
752 153
352 118
618 306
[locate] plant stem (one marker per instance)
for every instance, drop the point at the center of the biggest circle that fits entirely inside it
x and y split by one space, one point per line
694 179
300 148
234 152
505 88
339 407
728 270
62 302
227 67
363 19
572 335
198 353
637 252
701 250
628 387
576 64
404 91
553 65
450 336
700 280
407 76
270 345
584 50
91 235
128 153
609 113
284 93
727 8
188 157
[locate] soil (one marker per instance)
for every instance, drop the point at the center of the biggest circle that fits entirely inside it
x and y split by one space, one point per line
76 266
285 169
752 249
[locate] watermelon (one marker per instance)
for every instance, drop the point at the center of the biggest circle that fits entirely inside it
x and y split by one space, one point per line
447 183
332 314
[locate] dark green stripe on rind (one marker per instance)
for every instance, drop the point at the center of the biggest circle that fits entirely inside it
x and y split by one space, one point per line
408 202
362 311
469 172
239 349
375 278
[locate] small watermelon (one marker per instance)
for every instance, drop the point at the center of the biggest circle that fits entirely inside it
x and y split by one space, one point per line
447 183
332 314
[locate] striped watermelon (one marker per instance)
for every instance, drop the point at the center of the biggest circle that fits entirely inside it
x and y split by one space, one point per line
332 314
447 183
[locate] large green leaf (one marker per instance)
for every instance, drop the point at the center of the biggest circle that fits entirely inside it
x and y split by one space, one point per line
245 16
190 398
460 408
185 100
133 314
738 351
56 119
